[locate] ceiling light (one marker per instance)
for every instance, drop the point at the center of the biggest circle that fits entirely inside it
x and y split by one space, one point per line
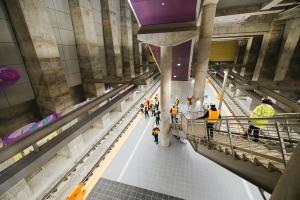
178 64
163 3
174 76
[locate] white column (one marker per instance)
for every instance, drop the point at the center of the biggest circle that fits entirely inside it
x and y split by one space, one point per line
204 45
165 91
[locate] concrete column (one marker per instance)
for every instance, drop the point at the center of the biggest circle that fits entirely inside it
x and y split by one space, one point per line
112 36
204 45
40 52
236 57
141 58
127 43
261 56
246 56
292 34
87 46
165 91
135 28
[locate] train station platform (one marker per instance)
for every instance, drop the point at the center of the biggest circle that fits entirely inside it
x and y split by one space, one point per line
177 171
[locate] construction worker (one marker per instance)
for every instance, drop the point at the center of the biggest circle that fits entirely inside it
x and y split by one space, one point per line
146 111
190 103
155 133
147 102
212 115
157 117
156 97
261 111
153 110
174 112
177 102
142 108
157 104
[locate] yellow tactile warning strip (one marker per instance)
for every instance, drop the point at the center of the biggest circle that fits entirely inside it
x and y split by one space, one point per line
216 93
97 174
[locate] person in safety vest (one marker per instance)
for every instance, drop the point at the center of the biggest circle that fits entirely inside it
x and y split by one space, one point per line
174 112
212 115
153 109
146 111
190 103
177 102
261 111
155 133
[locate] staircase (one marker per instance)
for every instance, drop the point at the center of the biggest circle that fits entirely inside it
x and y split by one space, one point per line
259 162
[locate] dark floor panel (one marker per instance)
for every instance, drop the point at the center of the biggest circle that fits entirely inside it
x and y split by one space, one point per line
111 190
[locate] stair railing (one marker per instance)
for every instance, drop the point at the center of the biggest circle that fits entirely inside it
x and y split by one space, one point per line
277 138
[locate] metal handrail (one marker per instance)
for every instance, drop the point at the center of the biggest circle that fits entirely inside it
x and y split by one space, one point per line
13 149
276 140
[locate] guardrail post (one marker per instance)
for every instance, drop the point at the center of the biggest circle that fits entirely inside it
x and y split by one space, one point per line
229 135
281 142
288 131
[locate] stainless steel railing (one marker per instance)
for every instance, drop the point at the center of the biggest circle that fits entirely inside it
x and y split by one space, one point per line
276 142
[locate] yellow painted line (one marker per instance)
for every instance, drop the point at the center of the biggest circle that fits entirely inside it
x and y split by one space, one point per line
97 174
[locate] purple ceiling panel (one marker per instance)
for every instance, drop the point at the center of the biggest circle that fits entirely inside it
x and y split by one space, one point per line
180 60
151 12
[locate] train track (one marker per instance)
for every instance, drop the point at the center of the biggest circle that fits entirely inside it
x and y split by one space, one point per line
112 136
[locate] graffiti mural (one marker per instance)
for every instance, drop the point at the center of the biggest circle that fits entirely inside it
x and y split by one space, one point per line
8 76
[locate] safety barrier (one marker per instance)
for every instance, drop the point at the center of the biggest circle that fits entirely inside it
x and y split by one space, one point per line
273 148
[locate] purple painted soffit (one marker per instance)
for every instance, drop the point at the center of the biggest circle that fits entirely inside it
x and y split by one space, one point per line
150 12
180 60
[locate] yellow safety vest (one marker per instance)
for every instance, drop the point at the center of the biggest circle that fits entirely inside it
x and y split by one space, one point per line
177 101
155 131
213 116
263 110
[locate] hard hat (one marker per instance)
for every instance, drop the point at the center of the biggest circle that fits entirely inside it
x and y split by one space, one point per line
212 105
266 100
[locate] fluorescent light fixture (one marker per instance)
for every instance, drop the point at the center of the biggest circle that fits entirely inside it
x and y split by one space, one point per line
178 64
174 76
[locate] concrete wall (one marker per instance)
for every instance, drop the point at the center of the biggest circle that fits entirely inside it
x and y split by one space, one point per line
59 13
10 55
17 103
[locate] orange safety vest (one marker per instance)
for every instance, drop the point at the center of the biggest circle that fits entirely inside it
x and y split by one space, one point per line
213 116
174 111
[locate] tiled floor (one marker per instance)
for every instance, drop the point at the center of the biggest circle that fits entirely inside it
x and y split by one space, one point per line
106 189
176 170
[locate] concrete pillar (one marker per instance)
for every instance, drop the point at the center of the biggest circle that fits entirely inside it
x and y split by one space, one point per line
127 43
236 57
246 56
87 46
165 91
40 52
141 58
261 56
292 33
112 36
204 45
135 28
